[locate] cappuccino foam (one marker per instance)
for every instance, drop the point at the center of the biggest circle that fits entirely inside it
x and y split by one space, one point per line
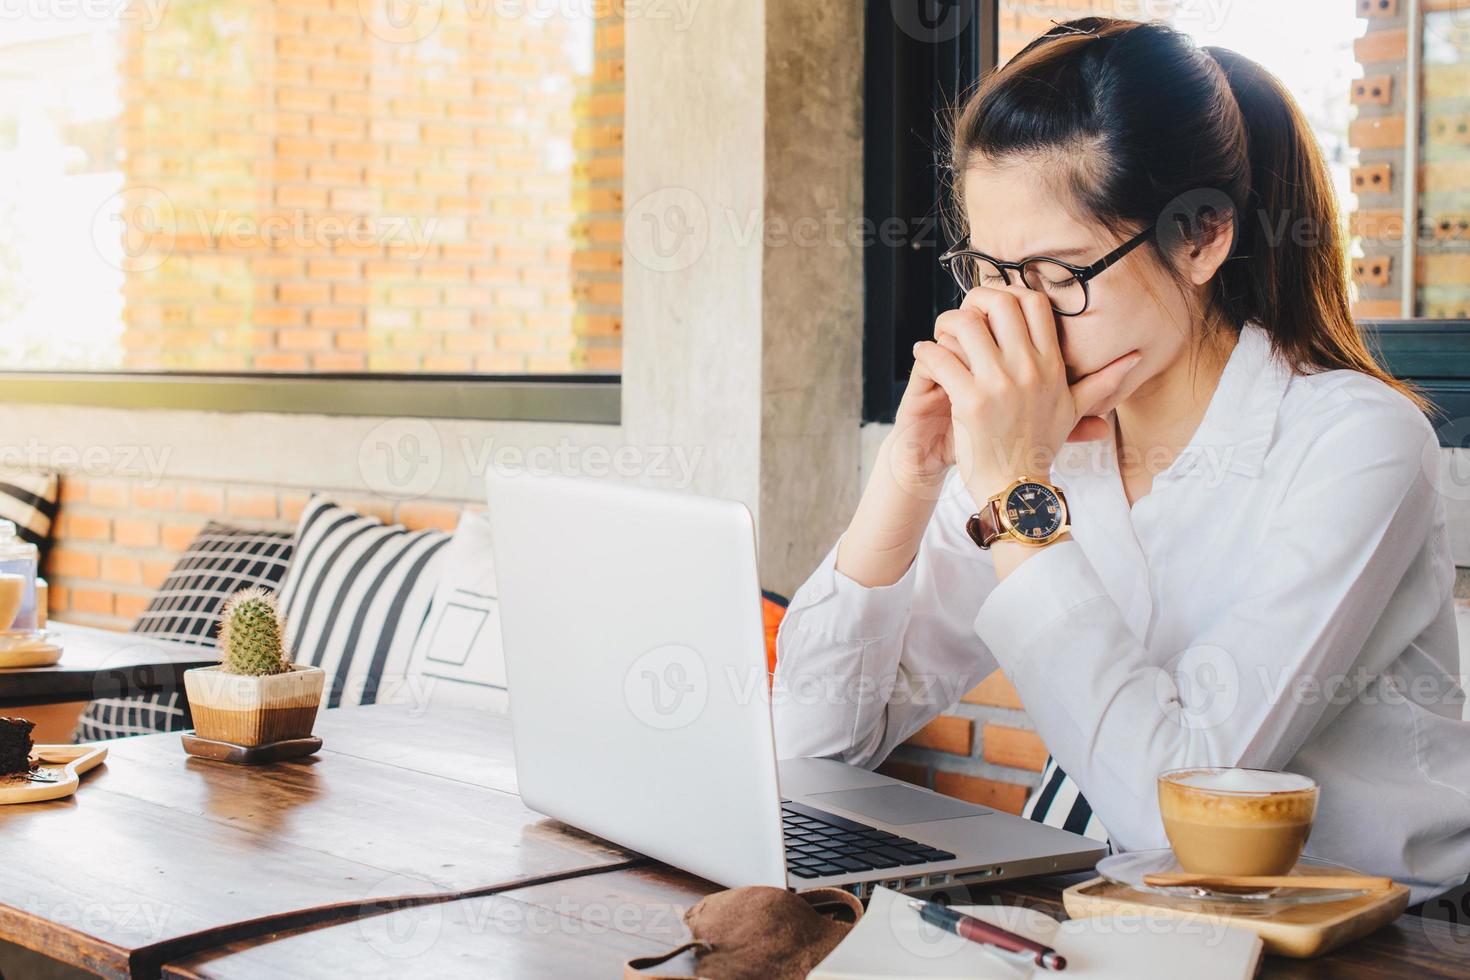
1244 781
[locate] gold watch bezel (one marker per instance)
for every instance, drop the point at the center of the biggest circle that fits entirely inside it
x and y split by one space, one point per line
1012 531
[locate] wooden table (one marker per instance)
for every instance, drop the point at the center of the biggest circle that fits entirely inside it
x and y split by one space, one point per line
161 854
589 925
102 664
400 850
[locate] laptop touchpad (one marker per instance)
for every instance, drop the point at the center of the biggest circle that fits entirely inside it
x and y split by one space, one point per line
897 804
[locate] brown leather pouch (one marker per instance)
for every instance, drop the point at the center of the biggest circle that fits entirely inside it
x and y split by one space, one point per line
759 933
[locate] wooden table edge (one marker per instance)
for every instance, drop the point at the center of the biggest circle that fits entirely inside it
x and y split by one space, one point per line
159 959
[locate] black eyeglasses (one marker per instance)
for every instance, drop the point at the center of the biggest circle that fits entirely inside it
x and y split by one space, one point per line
1063 283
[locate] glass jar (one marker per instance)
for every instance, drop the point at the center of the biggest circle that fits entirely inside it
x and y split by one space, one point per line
19 557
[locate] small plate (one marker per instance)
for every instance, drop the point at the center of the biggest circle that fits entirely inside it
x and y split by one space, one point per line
28 648
1130 867
55 773
17 640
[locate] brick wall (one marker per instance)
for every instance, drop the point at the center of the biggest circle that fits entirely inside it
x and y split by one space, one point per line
116 539
1442 263
308 190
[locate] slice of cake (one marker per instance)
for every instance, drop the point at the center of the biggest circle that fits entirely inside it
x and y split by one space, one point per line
15 745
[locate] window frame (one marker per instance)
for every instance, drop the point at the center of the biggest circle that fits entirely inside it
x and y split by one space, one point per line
590 398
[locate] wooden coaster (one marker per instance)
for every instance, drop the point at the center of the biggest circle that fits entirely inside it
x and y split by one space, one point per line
250 755
1299 931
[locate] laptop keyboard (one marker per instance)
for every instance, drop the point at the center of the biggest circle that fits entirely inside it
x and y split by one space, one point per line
820 843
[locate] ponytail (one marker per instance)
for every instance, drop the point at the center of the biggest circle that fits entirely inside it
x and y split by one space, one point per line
1150 122
1291 273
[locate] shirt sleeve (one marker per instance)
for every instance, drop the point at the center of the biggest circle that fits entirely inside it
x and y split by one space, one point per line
859 669
1256 679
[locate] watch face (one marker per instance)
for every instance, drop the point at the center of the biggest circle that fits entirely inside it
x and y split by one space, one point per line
1034 511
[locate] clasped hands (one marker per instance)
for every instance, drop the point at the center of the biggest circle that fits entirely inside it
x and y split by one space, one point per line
990 394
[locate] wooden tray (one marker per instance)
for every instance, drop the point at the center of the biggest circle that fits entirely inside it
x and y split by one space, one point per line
1298 931
65 762
250 755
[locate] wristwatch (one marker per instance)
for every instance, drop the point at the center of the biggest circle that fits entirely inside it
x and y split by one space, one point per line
1029 511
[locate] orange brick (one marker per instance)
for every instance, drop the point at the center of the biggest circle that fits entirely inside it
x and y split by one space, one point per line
252 503
84 527
135 533
176 536
1009 797
107 493
203 500
92 601
130 604
154 572
72 564
1377 133
292 504
996 690
1390 45
947 733
1018 748
119 568
153 498
418 515
289 363
336 361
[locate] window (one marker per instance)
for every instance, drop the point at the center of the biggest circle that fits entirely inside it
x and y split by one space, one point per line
308 188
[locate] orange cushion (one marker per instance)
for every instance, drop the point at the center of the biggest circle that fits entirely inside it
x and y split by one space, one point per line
773 607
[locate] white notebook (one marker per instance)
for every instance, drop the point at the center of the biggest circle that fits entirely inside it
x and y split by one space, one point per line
892 941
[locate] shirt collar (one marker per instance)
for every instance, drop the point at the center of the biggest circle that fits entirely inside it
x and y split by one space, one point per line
1240 421
1237 427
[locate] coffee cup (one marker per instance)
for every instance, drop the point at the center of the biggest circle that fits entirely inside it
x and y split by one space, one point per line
1234 821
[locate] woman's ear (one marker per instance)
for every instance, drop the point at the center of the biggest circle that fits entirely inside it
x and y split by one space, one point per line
1202 254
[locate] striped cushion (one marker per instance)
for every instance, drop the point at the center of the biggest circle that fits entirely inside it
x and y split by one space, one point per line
1058 802
220 561
28 499
355 597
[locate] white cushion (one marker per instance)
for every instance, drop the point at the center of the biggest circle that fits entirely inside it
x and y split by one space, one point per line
458 652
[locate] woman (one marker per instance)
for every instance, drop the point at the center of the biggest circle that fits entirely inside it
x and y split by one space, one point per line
1257 569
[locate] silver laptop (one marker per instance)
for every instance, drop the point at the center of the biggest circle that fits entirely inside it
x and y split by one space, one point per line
640 707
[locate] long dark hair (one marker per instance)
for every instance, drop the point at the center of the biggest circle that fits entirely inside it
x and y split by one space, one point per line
1154 129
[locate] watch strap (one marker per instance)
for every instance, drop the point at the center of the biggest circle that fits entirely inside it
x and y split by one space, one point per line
985 527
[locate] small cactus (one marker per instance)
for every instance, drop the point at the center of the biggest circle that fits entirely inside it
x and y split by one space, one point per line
251 633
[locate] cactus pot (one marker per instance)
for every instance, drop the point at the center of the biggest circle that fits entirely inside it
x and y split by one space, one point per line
254 710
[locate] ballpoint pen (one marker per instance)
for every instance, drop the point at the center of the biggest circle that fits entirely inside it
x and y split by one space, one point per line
1000 941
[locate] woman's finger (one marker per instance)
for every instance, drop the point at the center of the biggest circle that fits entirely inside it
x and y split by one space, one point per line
967 329
1007 323
951 343
1093 392
945 368
1041 323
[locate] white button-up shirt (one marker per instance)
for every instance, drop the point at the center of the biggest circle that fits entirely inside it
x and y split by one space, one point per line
1281 599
